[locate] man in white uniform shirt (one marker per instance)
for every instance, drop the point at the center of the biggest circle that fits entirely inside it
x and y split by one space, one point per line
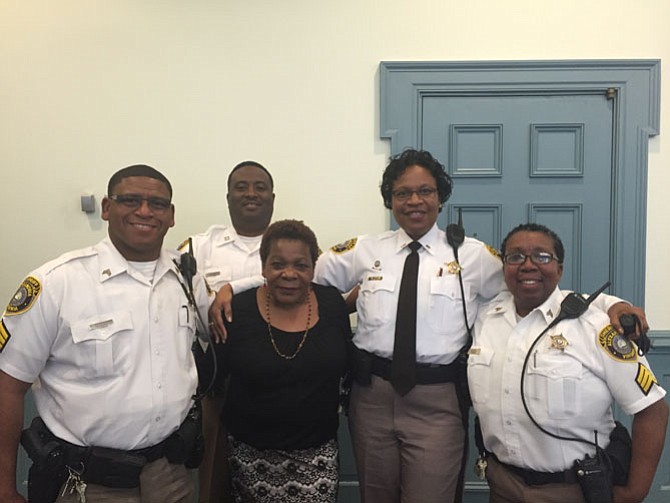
230 254
104 334
575 372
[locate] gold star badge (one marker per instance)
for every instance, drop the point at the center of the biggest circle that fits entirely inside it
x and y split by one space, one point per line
559 342
453 267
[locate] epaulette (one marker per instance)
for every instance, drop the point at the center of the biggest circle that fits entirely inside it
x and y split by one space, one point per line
386 235
66 257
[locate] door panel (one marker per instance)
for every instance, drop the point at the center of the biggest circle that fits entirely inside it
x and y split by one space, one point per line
516 159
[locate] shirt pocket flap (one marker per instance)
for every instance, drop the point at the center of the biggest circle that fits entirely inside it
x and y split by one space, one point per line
101 326
373 282
216 274
480 356
445 285
555 366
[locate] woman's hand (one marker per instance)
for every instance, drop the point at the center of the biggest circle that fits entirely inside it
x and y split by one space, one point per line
620 308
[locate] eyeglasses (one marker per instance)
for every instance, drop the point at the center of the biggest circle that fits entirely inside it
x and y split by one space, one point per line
135 201
405 194
537 258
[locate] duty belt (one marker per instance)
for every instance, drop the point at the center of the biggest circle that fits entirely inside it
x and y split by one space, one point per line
426 373
535 478
75 454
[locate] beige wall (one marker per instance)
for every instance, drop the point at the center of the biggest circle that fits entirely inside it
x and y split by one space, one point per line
193 87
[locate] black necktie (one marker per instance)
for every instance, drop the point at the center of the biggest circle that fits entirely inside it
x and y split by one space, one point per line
403 367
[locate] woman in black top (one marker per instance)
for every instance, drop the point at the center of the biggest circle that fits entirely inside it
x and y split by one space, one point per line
287 350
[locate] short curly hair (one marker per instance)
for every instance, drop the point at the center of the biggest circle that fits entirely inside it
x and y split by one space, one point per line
137 170
255 164
289 229
410 157
543 229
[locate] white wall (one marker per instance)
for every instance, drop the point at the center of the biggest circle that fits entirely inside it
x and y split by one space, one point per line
193 87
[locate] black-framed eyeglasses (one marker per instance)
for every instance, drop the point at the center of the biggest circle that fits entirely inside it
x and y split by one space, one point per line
135 201
405 194
537 258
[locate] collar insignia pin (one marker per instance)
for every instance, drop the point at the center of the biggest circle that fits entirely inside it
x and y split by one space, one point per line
107 272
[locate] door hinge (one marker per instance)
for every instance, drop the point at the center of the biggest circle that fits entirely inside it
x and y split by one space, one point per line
611 93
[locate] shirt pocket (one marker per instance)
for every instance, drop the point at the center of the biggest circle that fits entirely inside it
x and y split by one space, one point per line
99 346
446 304
217 276
555 384
377 301
479 373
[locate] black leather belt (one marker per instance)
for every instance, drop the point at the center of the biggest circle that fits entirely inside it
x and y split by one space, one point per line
426 373
75 453
534 478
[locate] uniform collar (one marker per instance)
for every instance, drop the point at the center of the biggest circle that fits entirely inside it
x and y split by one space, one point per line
551 306
230 237
428 241
111 263
503 305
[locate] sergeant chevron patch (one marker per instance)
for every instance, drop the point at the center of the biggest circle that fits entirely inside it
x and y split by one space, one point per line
4 335
645 378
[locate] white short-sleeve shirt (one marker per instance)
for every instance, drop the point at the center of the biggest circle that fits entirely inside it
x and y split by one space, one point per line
376 263
578 369
108 350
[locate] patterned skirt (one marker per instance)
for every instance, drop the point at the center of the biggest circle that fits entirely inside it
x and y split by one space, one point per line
296 476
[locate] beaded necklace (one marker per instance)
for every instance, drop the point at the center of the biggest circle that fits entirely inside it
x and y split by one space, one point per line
304 336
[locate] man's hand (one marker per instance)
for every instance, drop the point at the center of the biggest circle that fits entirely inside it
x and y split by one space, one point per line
350 299
621 308
12 393
221 306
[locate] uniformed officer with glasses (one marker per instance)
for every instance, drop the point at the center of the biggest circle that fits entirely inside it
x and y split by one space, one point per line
543 389
103 334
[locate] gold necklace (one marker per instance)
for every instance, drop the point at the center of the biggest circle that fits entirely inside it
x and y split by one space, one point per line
304 336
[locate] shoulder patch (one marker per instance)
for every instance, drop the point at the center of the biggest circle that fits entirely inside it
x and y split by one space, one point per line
344 247
645 378
4 335
25 296
493 251
616 345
